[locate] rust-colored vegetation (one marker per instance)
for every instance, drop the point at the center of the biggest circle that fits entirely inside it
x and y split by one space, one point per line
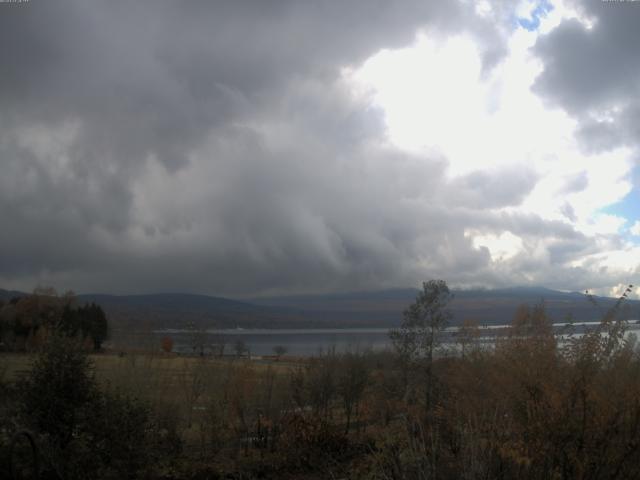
528 407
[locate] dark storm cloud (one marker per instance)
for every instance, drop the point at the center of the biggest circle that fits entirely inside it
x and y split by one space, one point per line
153 78
620 128
94 95
593 72
213 147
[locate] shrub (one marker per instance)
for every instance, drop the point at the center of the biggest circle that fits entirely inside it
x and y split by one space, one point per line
56 390
167 344
119 434
83 431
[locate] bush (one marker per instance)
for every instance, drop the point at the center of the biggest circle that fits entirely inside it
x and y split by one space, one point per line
83 432
307 442
57 389
120 435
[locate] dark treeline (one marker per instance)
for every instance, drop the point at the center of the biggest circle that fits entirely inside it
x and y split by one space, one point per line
27 321
528 407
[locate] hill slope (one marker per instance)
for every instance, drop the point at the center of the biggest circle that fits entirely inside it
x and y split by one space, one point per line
179 310
492 307
359 309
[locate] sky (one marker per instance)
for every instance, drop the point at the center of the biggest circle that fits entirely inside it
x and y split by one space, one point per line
255 148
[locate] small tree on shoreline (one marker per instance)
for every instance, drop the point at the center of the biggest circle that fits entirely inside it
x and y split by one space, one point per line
279 350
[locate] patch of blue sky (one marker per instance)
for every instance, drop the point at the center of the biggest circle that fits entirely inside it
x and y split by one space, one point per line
532 22
628 208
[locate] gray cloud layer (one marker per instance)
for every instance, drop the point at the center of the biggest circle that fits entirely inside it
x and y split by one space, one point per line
212 147
593 73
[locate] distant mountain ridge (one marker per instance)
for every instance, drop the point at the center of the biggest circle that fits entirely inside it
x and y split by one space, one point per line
495 306
8 294
382 308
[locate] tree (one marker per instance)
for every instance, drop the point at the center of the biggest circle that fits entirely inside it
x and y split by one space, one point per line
32 317
70 321
352 382
240 347
167 344
57 388
43 308
4 324
467 335
87 433
279 350
218 344
198 338
98 327
419 334
193 379
321 384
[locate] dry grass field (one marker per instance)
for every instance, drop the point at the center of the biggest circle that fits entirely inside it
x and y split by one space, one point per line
186 386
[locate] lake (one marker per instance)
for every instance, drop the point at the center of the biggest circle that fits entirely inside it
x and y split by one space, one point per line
300 342
307 342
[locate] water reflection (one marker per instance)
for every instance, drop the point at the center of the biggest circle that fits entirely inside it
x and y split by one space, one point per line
306 342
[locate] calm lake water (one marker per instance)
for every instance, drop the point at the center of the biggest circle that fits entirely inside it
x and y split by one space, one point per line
301 342
307 342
